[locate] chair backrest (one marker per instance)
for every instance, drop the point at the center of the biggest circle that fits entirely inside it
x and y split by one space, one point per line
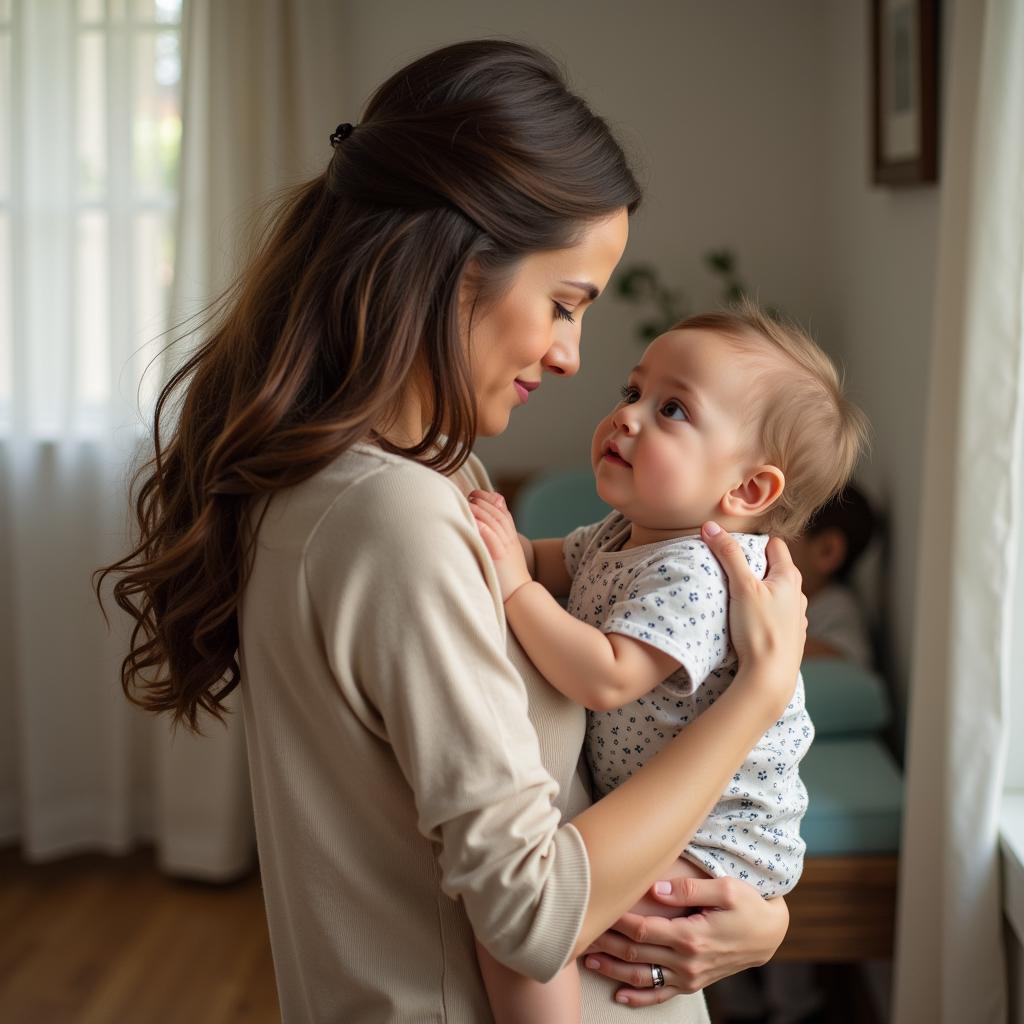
554 504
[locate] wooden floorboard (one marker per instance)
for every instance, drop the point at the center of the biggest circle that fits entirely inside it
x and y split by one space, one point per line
100 940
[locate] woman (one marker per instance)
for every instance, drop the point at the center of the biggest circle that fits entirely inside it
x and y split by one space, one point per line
308 513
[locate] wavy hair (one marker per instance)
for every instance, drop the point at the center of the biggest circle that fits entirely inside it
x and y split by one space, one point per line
471 157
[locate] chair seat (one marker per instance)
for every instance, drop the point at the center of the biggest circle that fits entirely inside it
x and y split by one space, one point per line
844 699
856 797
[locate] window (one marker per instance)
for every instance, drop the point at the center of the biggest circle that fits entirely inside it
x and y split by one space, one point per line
93 116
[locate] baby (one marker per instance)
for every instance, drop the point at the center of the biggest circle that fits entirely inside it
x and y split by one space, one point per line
733 417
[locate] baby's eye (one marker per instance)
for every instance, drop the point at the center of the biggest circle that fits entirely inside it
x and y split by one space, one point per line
629 394
563 314
674 411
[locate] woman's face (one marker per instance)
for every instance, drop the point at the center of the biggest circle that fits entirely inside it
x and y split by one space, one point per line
535 324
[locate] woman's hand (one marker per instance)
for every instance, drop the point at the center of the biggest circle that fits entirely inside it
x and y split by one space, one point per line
734 929
767 618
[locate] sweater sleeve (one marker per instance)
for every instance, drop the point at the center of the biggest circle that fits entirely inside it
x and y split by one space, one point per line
411 618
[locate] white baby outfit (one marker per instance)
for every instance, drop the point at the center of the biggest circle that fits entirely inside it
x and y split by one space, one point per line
674 596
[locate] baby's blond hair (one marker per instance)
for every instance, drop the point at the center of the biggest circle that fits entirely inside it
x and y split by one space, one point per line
801 420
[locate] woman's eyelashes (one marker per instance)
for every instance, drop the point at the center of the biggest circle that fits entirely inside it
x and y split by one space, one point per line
563 314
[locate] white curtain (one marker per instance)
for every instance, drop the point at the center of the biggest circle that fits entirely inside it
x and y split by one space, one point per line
262 90
74 772
949 946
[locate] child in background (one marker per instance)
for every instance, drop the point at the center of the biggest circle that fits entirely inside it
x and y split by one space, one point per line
832 542
733 417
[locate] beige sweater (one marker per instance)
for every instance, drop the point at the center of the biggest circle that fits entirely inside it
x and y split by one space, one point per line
403 801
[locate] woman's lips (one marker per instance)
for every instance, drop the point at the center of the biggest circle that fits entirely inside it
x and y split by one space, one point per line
524 387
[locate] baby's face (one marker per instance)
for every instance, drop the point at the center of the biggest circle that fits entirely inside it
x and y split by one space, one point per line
676 445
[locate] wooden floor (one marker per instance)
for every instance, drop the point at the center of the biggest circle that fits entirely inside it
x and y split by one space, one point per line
98 940
101 940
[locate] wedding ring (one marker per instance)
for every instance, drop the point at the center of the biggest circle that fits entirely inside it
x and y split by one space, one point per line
657 976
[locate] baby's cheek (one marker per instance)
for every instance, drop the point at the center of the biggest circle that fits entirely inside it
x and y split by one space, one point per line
600 433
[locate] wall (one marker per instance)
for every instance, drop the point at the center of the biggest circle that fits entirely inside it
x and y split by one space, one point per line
879 292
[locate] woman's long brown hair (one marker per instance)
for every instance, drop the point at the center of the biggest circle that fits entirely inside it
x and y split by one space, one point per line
473 156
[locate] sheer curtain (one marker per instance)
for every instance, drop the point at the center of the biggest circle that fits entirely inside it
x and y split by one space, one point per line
92 98
949 945
92 209
263 84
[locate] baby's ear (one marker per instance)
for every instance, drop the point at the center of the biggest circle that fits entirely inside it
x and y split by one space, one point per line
756 494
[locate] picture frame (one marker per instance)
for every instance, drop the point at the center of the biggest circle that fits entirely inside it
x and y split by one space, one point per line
904 57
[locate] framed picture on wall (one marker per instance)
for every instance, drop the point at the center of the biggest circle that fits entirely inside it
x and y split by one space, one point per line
904 50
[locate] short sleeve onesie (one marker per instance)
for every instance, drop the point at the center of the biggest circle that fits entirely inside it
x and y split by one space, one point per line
673 595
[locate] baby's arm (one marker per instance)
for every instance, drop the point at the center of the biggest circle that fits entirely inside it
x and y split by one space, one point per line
600 671
549 566
544 561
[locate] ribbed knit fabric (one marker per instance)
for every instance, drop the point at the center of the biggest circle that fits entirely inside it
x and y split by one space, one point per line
402 797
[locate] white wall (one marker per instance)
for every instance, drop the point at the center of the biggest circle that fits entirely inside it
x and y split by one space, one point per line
879 292
749 123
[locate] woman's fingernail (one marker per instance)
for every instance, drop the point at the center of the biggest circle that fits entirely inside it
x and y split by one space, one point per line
662 888
622 999
592 962
713 529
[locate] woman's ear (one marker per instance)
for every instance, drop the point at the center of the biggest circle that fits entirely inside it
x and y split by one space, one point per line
756 494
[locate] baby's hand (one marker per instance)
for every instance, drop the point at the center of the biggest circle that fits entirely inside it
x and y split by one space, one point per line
494 521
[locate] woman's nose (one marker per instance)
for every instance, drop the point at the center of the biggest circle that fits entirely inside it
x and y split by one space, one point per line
563 357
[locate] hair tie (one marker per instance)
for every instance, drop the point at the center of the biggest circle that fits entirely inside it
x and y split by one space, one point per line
340 134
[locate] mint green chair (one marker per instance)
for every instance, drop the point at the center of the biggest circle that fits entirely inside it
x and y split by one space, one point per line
554 504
